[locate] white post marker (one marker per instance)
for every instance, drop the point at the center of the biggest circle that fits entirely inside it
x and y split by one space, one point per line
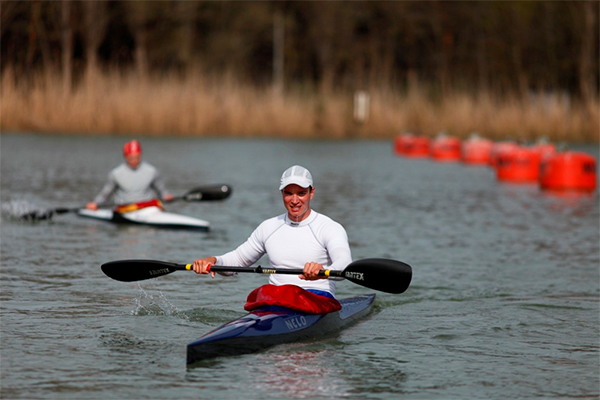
362 102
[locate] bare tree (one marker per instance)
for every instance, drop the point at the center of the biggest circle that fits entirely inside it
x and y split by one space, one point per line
67 46
8 11
444 39
96 20
586 73
324 31
137 16
184 14
278 50
38 36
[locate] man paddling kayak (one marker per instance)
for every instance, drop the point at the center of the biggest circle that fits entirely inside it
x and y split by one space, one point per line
299 238
133 181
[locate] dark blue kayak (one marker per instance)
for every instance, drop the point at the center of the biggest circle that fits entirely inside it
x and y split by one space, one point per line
272 325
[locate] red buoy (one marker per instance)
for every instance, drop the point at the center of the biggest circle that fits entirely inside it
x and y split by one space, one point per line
409 145
445 148
521 165
568 171
545 149
476 151
500 148
400 143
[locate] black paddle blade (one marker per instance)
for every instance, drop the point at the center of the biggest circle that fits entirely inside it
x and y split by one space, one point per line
381 274
208 193
139 270
41 215
37 215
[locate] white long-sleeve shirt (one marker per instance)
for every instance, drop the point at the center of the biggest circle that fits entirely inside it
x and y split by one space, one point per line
132 185
288 244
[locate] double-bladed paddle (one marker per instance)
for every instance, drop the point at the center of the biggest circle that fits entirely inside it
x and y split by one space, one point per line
202 193
381 274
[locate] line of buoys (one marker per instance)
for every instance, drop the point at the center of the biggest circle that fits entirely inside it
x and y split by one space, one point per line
536 164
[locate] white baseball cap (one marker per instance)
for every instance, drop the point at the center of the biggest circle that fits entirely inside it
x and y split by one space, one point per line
297 175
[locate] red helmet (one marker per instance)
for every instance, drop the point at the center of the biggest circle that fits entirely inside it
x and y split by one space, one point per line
132 147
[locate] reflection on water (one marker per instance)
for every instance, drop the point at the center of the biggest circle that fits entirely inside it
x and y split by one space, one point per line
580 203
298 375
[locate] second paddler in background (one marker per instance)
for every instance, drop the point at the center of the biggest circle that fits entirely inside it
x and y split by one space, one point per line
133 181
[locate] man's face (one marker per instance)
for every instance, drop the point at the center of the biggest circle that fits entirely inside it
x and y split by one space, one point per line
296 200
133 160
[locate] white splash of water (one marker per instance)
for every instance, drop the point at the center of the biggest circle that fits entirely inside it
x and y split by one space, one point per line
151 301
19 208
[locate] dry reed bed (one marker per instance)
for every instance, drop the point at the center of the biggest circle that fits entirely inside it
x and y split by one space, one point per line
114 103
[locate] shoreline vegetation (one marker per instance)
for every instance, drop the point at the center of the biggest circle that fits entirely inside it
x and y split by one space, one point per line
118 103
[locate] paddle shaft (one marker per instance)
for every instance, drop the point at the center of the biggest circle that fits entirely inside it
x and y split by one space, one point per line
258 270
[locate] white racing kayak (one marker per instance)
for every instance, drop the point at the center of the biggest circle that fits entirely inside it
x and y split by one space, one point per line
151 216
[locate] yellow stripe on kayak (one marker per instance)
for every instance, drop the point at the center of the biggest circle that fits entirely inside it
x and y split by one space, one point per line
127 208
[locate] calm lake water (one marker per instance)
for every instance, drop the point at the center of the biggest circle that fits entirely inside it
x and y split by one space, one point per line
504 302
